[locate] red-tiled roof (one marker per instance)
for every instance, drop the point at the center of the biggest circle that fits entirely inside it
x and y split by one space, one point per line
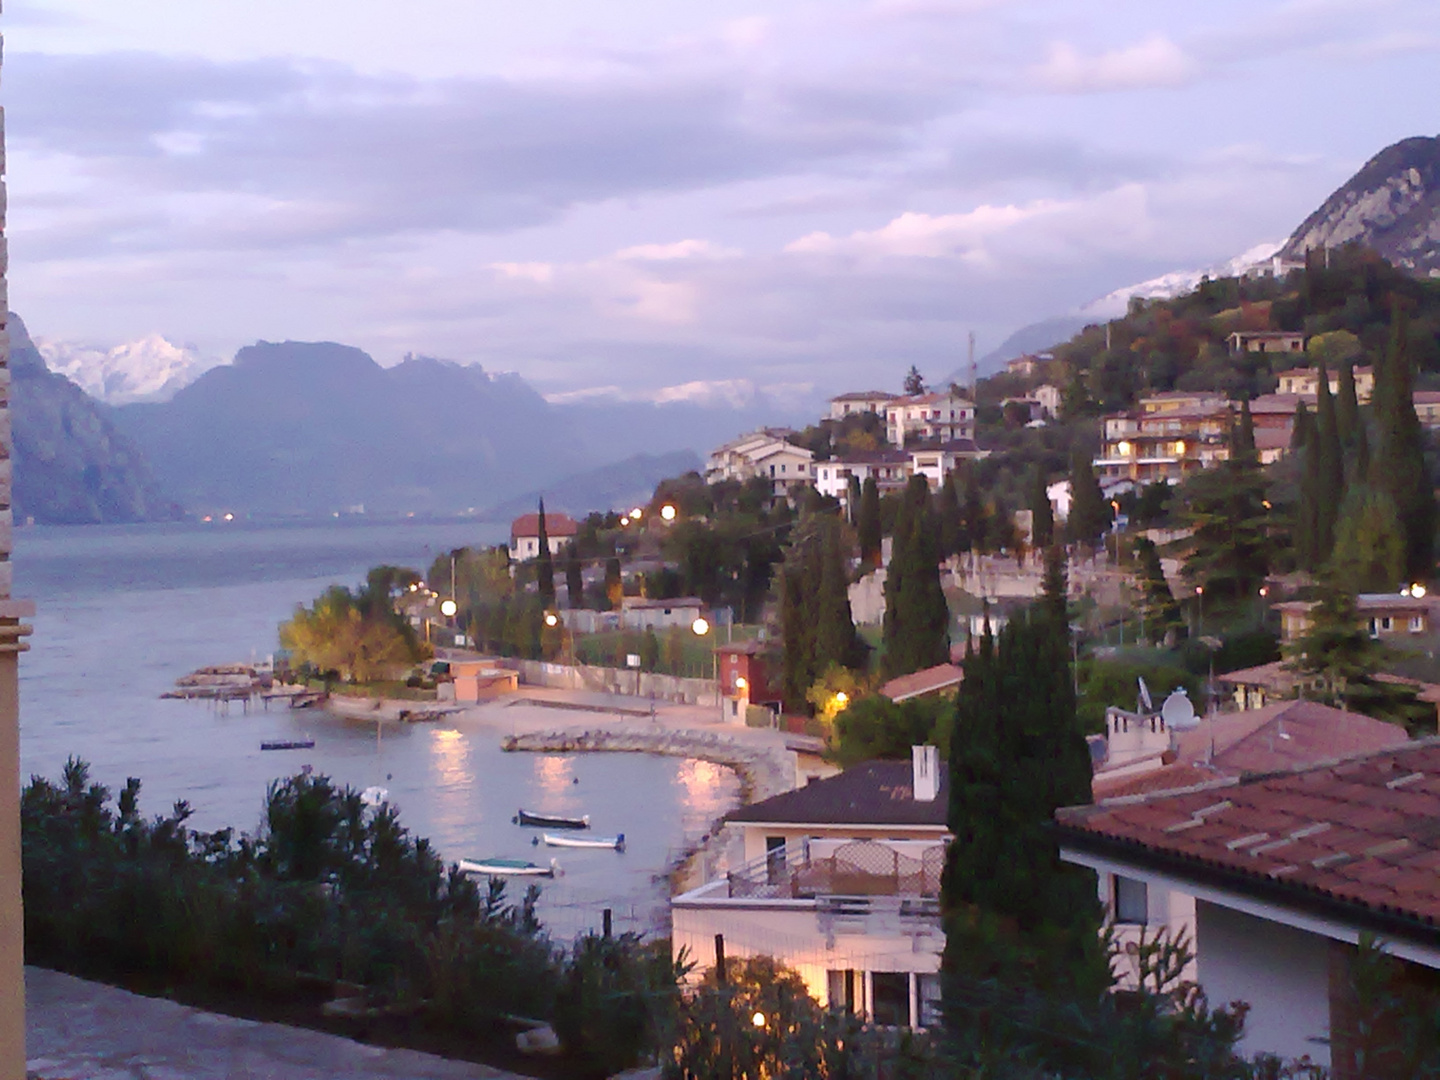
926 681
864 395
556 524
1165 778
1359 837
1283 736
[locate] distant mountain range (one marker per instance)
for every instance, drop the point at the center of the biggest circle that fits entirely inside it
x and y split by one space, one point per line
149 369
72 465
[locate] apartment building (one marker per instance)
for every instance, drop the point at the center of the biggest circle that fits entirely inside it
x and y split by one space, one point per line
1167 437
937 417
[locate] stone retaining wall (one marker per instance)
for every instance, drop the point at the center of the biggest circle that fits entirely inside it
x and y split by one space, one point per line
608 680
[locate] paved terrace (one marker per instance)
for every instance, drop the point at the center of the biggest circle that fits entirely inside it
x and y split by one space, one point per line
80 1030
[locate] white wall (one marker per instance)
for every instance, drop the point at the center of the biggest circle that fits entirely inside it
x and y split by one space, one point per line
1281 972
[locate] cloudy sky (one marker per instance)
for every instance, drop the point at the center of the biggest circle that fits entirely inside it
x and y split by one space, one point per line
641 193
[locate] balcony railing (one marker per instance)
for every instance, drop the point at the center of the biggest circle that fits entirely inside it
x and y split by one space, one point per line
853 871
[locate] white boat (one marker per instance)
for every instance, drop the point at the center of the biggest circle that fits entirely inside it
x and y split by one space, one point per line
615 842
508 868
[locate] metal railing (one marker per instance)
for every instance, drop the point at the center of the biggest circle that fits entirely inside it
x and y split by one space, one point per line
859 869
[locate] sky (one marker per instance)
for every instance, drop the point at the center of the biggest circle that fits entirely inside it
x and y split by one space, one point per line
639 194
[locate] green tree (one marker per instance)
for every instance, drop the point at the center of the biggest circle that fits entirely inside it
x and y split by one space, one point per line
836 642
1347 405
1159 609
914 381
1013 911
1089 516
876 727
975 526
917 618
1335 650
951 519
1229 547
853 498
1042 513
1369 552
1329 469
614 585
1398 463
545 564
574 580
868 527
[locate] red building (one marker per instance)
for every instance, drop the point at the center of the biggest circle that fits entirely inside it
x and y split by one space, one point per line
749 675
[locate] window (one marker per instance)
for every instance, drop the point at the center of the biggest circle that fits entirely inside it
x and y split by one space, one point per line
841 986
1417 624
774 859
890 998
1374 628
1386 624
1132 901
928 995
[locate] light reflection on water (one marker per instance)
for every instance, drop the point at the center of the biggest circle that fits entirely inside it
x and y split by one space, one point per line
103 653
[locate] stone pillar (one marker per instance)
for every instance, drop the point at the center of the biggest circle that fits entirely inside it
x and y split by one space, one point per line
12 643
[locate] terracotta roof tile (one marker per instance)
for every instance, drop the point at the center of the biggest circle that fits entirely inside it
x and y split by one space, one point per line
1342 830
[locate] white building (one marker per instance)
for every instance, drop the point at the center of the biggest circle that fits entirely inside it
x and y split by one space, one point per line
937 462
839 880
1287 872
938 417
889 468
1049 398
638 613
560 530
762 453
860 401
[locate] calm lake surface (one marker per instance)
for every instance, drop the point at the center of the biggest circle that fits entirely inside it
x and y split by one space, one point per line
123 611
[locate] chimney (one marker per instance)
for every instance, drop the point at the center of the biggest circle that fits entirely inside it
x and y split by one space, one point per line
925 767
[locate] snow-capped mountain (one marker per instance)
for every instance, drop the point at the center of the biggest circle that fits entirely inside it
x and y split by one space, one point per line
1177 282
150 369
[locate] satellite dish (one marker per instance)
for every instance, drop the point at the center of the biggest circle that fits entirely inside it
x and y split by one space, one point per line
1145 699
1177 712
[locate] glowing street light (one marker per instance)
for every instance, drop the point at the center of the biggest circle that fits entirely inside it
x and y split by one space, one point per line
667 512
741 683
448 608
551 619
625 520
842 699
1417 591
700 626
636 514
758 1019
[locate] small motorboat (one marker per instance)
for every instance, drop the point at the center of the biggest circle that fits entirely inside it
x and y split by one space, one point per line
551 821
616 843
508 868
288 744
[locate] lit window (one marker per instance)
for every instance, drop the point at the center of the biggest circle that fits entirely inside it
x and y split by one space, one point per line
1132 901
1417 623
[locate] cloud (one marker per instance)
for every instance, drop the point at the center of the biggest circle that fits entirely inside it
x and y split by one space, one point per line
1152 63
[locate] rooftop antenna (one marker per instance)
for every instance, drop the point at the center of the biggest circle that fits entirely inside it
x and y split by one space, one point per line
972 364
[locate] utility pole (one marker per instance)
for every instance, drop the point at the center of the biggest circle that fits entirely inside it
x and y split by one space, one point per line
971 365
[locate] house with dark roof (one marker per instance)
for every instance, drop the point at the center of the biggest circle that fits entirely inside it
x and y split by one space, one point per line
1288 870
560 530
839 880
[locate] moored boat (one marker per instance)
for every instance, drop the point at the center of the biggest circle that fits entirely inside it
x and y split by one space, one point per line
287 744
615 842
508 868
551 821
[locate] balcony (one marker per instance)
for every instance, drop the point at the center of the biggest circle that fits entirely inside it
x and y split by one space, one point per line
861 868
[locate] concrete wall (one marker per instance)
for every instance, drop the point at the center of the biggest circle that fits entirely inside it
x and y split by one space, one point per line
1281 972
618 681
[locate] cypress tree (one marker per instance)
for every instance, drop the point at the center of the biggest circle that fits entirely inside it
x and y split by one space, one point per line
973 528
951 520
852 499
1303 428
917 618
614 584
1013 909
1042 514
574 580
1398 464
836 641
1347 405
545 564
1329 472
1161 611
1055 588
869 524
798 632
1089 512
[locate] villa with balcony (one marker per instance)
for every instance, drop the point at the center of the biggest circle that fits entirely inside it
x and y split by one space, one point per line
1162 440
839 880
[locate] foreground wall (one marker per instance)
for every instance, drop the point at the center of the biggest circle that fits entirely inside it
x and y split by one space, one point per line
607 680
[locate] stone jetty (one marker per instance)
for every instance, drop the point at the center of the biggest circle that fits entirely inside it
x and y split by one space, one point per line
765 769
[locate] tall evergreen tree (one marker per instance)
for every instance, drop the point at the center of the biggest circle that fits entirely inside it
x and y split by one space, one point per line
1224 507
868 526
1161 611
574 579
974 528
914 381
1302 429
852 499
950 517
1055 588
917 618
1242 435
1042 514
1089 512
545 564
1014 912
836 641
1347 404
797 630
1329 470
1398 461
1304 442
1369 553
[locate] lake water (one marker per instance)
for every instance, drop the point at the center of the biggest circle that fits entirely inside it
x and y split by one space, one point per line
123 611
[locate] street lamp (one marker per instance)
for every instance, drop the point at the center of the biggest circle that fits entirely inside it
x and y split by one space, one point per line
1200 614
700 627
625 520
448 608
667 512
758 1019
551 619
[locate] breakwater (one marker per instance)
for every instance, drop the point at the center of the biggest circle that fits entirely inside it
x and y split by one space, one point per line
764 769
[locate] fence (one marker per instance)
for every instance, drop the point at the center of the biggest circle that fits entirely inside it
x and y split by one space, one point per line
607 680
